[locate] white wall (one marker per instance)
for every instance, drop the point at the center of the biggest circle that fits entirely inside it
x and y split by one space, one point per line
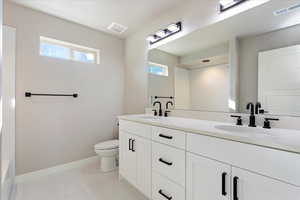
56 130
209 88
195 14
249 48
182 88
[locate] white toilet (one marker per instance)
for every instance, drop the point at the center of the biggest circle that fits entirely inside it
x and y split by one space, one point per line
108 152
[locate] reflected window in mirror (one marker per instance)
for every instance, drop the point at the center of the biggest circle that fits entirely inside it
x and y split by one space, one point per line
158 69
227 4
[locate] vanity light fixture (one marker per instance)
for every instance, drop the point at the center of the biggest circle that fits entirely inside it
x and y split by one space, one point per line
152 38
164 33
227 4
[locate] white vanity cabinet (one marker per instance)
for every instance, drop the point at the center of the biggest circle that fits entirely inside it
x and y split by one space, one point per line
207 179
135 156
167 164
255 173
128 158
252 186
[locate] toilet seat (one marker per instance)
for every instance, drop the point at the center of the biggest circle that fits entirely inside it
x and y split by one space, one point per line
110 144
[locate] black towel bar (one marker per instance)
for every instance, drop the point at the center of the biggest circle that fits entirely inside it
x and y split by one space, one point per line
29 94
160 97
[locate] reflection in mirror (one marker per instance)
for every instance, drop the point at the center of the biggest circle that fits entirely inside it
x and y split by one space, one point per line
251 57
161 69
279 80
269 71
191 78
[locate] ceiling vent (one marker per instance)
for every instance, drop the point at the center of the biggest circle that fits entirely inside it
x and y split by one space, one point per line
287 10
117 28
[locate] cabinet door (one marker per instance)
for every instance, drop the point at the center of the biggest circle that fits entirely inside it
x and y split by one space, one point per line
207 179
128 158
143 153
251 186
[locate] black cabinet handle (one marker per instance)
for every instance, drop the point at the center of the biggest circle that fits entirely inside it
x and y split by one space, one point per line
164 195
129 144
224 174
132 145
165 162
235 188
165 136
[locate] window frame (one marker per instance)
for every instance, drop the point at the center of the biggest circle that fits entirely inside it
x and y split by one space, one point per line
160 65
238 2
72 47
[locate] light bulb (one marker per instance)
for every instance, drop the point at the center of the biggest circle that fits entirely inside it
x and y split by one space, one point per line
161 33
173 27
151 38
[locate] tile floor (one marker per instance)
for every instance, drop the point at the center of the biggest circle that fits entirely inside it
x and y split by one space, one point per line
86 183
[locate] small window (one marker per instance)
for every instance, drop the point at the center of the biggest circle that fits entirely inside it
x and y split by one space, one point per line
158 69
64 50
227 4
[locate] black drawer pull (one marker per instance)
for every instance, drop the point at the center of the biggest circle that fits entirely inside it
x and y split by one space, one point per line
164 195
165 162
166 136
235 188
129 144
132 146
224 174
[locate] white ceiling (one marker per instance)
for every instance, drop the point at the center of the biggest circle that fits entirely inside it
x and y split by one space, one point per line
99 14
252 22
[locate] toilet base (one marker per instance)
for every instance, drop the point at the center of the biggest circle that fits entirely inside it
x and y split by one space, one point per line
108 164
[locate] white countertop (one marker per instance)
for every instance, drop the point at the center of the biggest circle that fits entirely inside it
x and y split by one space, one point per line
280 139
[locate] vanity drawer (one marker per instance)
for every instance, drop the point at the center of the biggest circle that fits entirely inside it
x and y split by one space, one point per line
164 189
169 136
169 162
138 129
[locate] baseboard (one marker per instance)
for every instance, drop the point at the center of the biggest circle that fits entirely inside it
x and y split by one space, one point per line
13 192
52 170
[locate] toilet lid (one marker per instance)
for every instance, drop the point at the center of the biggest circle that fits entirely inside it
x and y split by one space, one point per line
110 144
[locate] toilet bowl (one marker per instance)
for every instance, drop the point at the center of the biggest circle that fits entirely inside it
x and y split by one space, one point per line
108 152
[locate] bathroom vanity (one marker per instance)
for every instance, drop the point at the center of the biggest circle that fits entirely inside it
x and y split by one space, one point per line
188 159
225 67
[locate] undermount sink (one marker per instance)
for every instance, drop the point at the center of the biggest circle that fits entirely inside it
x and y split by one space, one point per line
149 117
285 138
241 129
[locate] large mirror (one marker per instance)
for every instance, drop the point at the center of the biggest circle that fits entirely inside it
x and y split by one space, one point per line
250 57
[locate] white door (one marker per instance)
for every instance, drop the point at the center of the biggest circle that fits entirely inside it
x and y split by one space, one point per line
207 179
250 186
279 80
143 154
128 157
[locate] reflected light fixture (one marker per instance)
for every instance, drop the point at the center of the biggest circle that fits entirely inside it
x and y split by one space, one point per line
164 33
227 4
